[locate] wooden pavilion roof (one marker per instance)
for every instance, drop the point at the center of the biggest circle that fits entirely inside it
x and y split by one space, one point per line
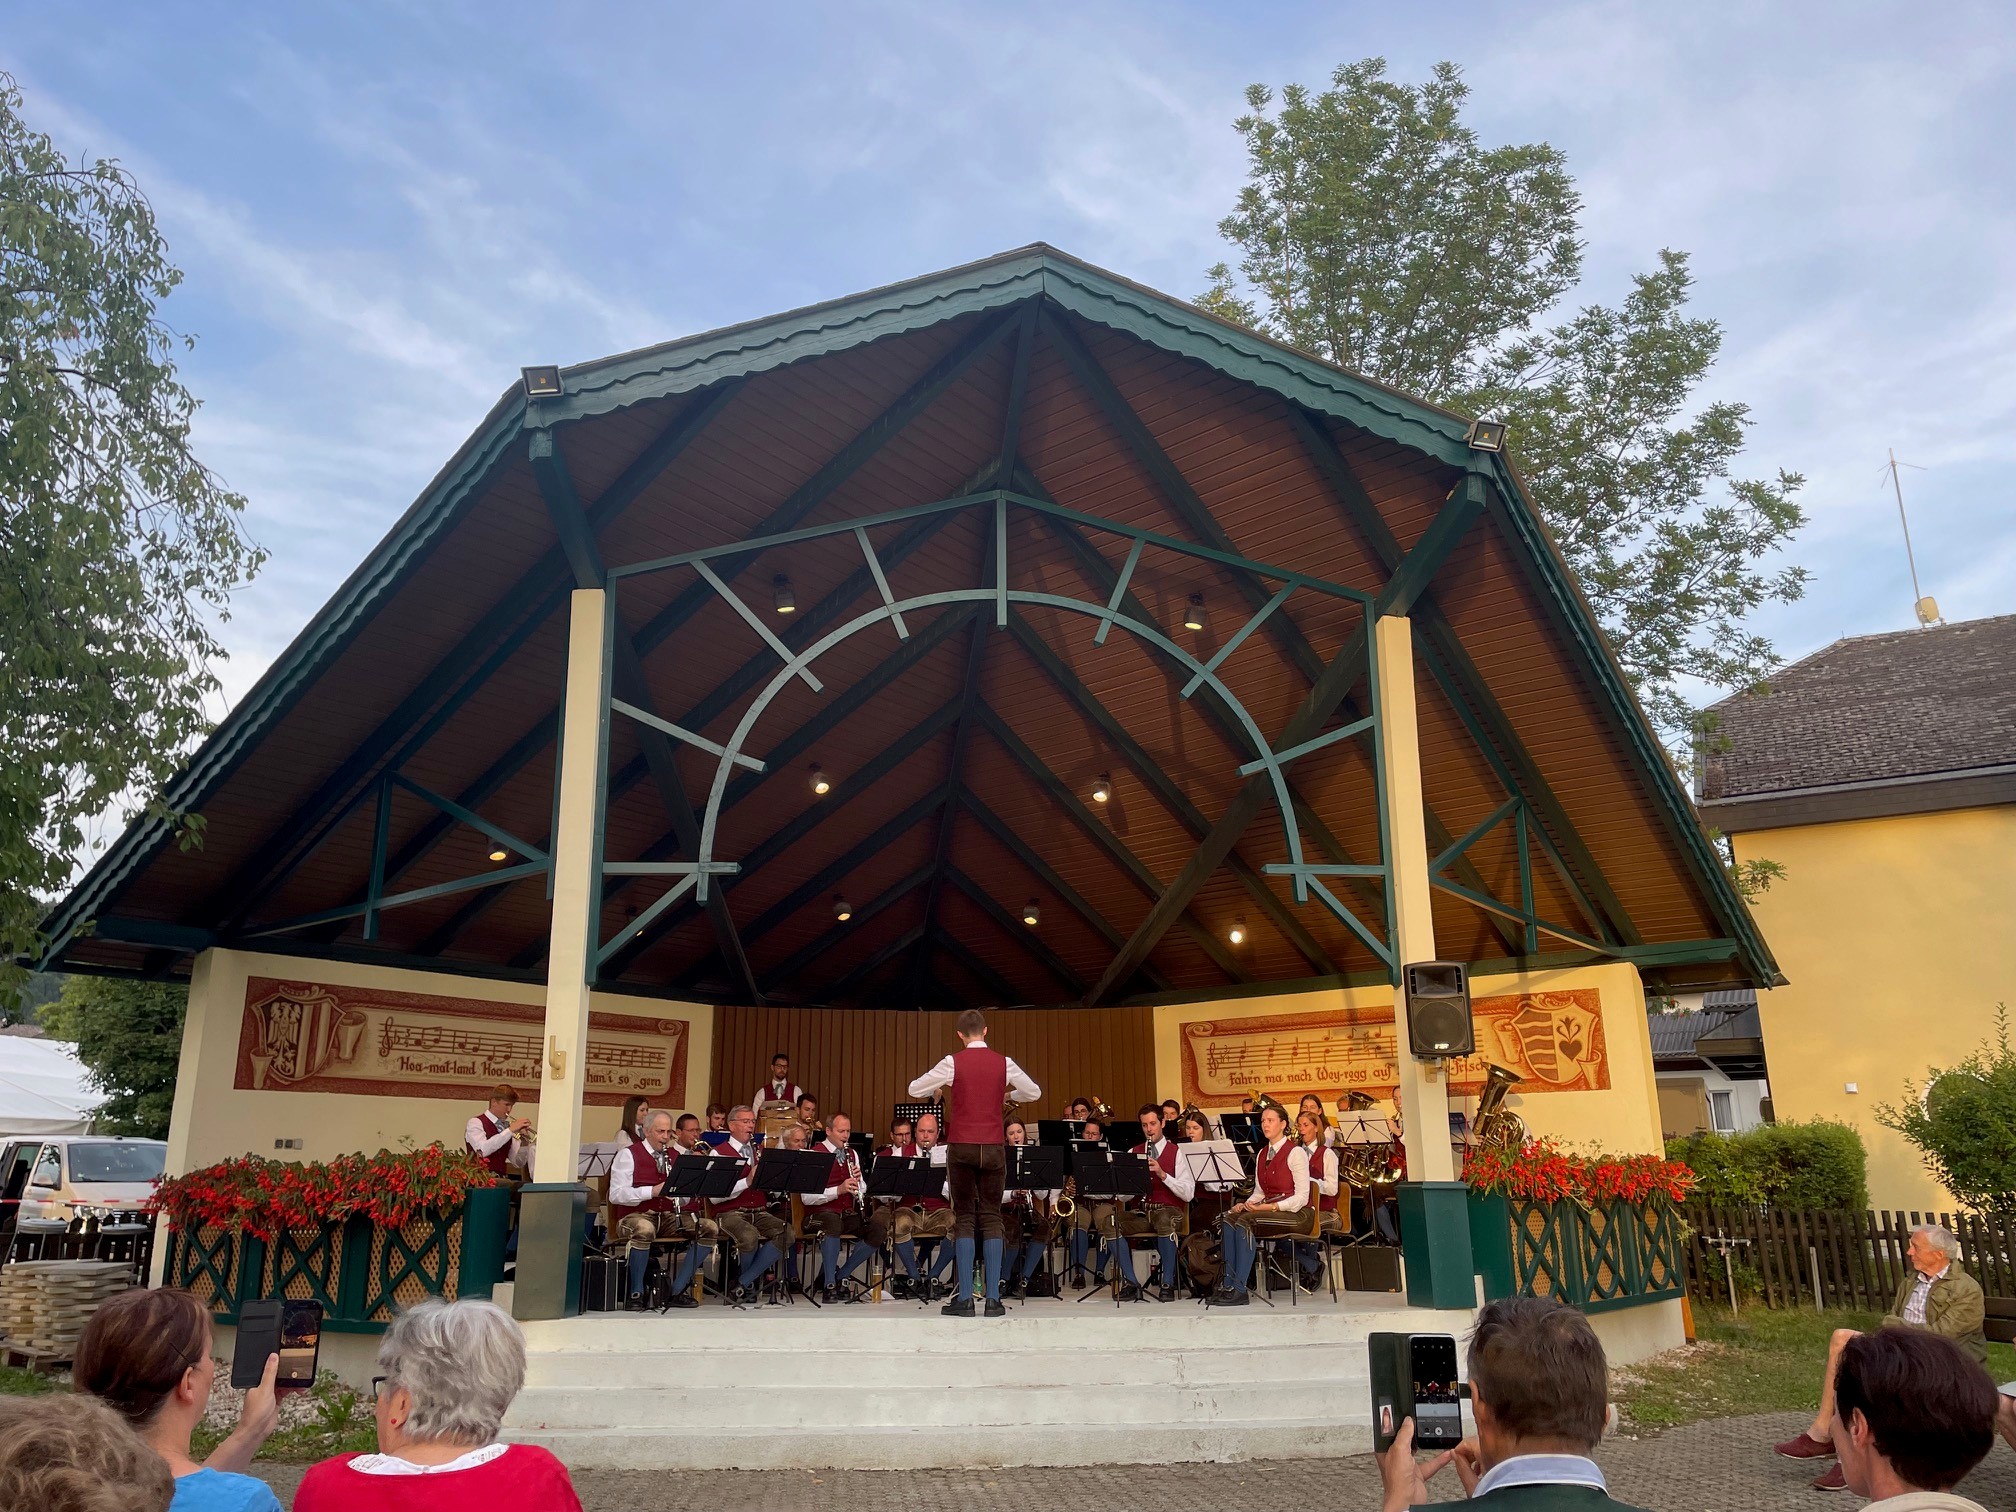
962 758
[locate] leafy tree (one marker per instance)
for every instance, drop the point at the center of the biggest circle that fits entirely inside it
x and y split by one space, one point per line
121 547
1964 1123
129 1036
1378 232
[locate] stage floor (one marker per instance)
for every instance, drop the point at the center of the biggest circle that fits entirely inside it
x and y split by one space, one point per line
896 1385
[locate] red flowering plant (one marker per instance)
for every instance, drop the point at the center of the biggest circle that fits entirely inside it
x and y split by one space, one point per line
263 1197
1541 1171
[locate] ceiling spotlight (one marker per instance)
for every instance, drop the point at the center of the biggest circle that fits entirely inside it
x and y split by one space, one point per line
1031 914
1193 616
1102 789
787 601
1486 435
821 783
500 854
842 909
1237 933
541 382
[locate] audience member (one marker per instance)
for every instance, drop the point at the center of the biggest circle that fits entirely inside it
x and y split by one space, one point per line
1936 1295
59 1454
1912 1415
448 1371
1539 1394
148 1354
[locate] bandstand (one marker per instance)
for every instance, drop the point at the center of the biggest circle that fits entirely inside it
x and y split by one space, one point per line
1013 636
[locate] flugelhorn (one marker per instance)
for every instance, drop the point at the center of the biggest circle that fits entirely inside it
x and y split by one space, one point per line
1495 1125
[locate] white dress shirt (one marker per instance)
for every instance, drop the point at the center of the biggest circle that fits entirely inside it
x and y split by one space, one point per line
1327 1185
940 1075
1541 1470
784 1091
489 1144
831 1194
1298 1168
748 1157
1180 1183
629 1187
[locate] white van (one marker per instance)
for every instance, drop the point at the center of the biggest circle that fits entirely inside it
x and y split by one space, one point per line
58 1177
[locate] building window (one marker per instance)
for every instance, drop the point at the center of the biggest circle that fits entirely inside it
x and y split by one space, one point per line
1722 1111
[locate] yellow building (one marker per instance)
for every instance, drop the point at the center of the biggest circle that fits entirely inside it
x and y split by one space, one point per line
1881 774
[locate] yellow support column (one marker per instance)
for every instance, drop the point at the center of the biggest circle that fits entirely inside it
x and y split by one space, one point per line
554 1202
1434 1208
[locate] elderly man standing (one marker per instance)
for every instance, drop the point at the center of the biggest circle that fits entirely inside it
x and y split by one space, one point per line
1937 1296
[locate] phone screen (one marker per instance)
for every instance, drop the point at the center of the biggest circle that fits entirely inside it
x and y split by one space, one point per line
300 1342
1438 1402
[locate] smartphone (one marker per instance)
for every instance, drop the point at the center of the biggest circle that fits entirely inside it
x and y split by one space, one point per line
1438 1398
271 1325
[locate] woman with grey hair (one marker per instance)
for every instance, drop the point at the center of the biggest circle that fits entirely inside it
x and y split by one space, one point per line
448 1371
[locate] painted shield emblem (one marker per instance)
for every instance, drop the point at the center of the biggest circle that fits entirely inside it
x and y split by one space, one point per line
1556 1039
300 1031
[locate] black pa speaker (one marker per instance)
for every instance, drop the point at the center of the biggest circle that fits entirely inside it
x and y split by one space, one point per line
1438 1009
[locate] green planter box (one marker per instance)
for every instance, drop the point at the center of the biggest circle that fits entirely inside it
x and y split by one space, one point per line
1608 1255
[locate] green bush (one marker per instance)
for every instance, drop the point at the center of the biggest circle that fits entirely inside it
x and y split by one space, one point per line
1965 1123
1817 1164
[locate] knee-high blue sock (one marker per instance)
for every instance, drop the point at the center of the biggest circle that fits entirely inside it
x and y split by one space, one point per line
906 1252
942 1261
640 1261
1167 1245
1010 1253
695 1256
829 1259
1032 1256
1081 1242
1123 1256
757 1265
990 1257
962 1267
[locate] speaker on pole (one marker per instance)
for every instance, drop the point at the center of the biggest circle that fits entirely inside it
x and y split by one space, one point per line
1438 1009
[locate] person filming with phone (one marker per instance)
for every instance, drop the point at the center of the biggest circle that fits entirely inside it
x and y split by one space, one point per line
1539 1393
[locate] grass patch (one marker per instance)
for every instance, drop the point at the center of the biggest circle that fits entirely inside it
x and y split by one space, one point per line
1761 1360
15 1381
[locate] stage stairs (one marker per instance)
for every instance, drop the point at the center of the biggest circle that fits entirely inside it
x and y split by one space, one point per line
897 1386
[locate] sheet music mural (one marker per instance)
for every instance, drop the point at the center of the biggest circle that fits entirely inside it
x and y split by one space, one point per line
312 1037
1554 1040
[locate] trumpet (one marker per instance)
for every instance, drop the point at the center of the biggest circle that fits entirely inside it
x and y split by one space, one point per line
528 1135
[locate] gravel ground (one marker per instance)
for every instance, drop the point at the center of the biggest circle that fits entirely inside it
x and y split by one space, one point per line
1720 1466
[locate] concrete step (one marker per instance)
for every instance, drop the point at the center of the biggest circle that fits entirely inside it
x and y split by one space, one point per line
915 1448
826 1404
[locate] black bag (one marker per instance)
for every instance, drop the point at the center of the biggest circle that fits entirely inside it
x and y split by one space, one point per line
602 1283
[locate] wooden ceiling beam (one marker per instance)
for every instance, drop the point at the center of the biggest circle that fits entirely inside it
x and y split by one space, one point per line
789 968
1005 992
877 959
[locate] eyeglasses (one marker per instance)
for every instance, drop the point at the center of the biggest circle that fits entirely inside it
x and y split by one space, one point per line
378 1387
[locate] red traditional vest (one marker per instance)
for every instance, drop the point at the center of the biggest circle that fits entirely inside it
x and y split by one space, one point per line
834 1177
979 1087
1157 1192
750 1196
498 1161
1316 1168
1275 1181
643 1166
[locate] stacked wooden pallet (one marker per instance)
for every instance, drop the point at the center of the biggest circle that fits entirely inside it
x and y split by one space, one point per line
44 1304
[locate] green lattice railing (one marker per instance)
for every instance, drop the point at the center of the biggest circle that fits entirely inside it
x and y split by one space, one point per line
360 1274
1608 1255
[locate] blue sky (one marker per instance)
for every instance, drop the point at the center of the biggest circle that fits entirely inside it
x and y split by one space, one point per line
383 211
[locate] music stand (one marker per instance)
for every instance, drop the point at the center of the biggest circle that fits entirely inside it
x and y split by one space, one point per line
779 1171
861 1142
1107 1176
1034 1168
710 1176
1241 1128
1212 1160
1124 1134
1054 1131
904 1176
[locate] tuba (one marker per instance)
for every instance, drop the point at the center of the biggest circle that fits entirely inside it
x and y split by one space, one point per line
1495 1126
1262 1101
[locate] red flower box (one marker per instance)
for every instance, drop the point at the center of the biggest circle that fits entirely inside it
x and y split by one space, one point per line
261 1197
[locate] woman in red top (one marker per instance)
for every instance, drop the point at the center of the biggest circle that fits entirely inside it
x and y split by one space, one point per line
450 1369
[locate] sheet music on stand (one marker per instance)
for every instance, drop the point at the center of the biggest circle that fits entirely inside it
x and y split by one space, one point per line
703 1176
592 1160
1365 1129
1241 1128
902 1176
1212 1162
800 1171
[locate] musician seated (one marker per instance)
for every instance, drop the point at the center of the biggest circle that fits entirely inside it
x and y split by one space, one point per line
643 1212
780 1087
808 1118
1324 1186
744 1214
926 1218
1092 1134
880 1226
715 1134
1274 1211
1203 1253
1172 1119
1026 1228
1161 1213
835 1213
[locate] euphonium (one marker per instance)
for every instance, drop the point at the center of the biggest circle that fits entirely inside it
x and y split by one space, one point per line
1100 1111
1495 1125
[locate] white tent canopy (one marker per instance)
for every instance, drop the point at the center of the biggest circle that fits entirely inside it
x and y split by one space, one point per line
44 1088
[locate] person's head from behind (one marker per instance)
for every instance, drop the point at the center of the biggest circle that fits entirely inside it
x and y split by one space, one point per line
450 1369
146 1353
1538 1381
74 1454
1911 1412
971 1026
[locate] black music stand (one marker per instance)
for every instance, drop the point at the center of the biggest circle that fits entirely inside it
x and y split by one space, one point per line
1056 1131
861 1142
780 1171
710 1176
1241 1128
1124 1134
1036 1168
1107 1176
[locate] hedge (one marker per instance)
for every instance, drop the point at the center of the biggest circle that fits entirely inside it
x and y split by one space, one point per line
1816 1164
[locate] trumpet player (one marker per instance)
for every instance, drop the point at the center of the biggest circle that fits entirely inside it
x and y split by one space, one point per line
1026 1227
1170 1189
496 1138
1280 1190
835 1213
643 1210
1325 1185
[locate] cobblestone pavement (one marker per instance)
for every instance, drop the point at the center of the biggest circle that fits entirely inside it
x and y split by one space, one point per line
1720 1466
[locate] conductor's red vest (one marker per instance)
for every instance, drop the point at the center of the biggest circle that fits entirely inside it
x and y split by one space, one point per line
979 1088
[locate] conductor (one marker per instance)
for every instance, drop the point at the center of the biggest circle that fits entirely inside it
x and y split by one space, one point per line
978 1082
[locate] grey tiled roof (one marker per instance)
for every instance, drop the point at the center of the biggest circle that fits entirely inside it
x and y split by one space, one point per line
1910 703
1673 1034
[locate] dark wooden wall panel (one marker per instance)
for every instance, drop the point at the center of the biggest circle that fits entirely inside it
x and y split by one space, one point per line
860 1061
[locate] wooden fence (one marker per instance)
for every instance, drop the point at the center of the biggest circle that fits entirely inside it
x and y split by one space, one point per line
1836 1258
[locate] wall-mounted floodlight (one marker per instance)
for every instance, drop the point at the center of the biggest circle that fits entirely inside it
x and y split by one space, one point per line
541 382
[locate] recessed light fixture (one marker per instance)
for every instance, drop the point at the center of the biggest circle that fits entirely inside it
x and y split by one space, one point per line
1102 788
842 909
541 382
500 854
1031 914
1193 614
1237 933
821 783
787 601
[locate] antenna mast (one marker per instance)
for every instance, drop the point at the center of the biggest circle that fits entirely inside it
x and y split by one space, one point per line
1927 608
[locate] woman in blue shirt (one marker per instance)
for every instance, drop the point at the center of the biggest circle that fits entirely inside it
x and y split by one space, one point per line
149 1354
